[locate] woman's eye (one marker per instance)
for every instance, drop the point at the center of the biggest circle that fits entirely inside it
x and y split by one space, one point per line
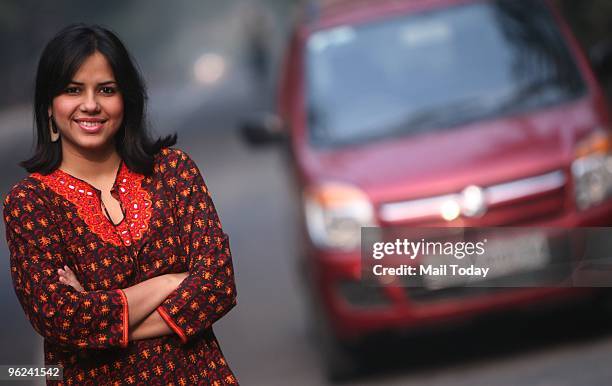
72 90
107 90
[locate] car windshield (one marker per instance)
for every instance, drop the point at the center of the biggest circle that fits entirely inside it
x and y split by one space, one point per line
435 70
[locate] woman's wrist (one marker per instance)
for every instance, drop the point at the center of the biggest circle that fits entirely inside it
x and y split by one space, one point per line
175 279
144 297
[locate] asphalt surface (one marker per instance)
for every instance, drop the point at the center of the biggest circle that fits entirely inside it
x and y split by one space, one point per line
266 339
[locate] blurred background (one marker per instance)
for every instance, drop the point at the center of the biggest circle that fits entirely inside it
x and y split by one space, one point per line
208 65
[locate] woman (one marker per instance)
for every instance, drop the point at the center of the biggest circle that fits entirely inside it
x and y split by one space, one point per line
117 254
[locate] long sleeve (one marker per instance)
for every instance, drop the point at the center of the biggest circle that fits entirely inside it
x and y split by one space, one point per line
62 315
209 291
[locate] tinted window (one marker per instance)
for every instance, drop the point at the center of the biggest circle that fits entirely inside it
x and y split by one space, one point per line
435 70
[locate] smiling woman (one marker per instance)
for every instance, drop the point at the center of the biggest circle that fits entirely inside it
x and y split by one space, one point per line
118 257
89 111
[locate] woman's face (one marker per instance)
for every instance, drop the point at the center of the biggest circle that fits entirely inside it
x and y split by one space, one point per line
89 111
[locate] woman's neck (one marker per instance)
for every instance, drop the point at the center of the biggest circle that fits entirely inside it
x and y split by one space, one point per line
90 166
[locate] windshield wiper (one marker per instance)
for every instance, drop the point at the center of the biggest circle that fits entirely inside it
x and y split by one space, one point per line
527 96
440 117
476 108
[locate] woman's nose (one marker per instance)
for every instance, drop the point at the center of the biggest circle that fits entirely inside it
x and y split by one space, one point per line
90 103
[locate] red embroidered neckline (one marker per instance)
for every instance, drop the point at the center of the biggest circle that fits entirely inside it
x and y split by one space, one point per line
135 200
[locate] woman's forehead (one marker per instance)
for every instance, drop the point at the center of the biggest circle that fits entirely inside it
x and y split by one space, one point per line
94 69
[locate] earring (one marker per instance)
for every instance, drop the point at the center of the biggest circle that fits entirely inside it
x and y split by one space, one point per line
54 132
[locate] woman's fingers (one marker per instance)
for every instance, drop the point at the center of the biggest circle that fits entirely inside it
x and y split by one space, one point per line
66 276
69 273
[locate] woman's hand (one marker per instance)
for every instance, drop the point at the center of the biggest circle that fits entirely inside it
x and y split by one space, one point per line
66 276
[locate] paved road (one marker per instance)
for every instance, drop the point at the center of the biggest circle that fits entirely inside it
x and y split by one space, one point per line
265 338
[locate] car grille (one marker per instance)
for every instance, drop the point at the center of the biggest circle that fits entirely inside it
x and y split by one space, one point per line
517 202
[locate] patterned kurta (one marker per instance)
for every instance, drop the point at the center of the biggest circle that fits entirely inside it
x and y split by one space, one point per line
170 225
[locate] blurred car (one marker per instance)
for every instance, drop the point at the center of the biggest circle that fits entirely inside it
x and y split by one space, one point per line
390 108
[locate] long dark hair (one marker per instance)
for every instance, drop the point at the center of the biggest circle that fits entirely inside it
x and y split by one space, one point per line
58 63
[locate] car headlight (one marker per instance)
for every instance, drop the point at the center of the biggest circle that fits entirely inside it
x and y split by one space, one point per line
592 170
335 213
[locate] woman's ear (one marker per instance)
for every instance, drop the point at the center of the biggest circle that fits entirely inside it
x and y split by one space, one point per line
49 111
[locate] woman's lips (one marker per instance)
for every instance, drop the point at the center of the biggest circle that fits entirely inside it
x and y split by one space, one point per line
90 126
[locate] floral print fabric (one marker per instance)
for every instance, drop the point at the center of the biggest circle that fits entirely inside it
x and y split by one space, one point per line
169 225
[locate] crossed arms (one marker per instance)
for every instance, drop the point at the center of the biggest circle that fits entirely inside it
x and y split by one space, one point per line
184 303
142 299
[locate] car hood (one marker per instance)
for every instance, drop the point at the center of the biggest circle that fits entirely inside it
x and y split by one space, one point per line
444 161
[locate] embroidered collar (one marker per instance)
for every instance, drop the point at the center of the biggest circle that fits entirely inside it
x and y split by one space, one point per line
135 201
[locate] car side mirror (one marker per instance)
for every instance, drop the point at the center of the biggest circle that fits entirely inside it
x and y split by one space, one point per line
600 56
263 129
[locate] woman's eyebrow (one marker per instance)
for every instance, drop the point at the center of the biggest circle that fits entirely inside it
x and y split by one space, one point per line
99 84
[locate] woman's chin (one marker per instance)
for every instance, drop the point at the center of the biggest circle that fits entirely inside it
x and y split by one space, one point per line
92 143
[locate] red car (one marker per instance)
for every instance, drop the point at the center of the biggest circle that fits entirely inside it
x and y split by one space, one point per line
390 108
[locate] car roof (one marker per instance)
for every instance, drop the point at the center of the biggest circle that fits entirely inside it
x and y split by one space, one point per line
319 14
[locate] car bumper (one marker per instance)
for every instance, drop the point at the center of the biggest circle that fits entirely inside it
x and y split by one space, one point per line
395 307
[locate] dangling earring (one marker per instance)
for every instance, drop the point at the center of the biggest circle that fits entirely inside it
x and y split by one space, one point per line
54 132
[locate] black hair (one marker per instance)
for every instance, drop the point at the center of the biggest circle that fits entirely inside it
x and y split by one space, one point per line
59 61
